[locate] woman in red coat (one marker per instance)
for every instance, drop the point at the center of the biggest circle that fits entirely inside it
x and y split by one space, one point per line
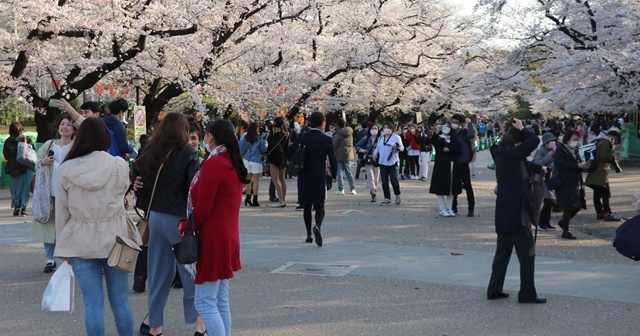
215 195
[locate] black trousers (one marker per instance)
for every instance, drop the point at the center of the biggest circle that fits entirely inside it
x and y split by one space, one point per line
306 215
601 196
414 166
461 170
566 218
522 240
545 212
389 173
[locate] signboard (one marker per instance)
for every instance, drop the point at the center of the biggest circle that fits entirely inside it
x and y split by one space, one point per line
139 121
418 117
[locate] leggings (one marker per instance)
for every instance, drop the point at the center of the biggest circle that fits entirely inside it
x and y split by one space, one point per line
319 207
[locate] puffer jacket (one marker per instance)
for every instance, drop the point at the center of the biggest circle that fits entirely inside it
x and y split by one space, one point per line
89 206
343 144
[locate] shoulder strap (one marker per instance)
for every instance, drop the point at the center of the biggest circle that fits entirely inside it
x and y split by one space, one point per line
153 191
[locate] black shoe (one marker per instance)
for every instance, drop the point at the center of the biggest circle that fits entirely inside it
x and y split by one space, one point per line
49 267
374 198
309 240
568 235
471 214
177 284
455 211
496 296
23 212
138 284
300 208
247 200
599 216
542 227
538 299
16 211
144 328
254 201
316 233
200 333
550 227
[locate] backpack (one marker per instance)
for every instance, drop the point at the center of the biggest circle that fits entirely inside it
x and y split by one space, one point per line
114 150
482 128
588 153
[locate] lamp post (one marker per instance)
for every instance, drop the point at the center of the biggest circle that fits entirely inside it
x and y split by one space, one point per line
137 82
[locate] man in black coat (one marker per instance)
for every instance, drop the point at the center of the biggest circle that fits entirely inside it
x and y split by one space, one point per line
514 212
463 132
311 179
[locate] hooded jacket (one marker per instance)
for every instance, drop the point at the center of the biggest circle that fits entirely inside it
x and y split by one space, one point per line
119 135
89 206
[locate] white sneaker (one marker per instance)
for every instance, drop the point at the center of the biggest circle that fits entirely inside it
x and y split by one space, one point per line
414 177
444 213
451 213
353 192
386 201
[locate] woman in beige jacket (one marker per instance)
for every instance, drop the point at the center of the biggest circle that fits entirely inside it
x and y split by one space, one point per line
89 214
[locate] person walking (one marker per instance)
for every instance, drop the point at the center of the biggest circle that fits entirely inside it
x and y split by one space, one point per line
251 148
386 153
311 180
50 156
598 178
88 211
214 202
278 141
570 196
343 146
513 212
463 132
21 175
169 149
544 157
413 152
442 183
367 146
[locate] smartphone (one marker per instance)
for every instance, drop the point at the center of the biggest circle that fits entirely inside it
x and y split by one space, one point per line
50 153
54 103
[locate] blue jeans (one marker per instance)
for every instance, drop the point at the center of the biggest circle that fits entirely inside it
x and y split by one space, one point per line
19 188
344 165
89 275
48 251
212 303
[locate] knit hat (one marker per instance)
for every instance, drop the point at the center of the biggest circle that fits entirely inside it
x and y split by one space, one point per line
547 137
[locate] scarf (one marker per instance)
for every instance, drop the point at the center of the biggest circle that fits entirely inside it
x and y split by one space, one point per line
447 138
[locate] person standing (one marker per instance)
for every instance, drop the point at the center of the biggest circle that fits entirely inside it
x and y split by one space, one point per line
386 153
442 183
413 152
50 156
513 212
119 144
168 148
598 179
311 180
366 146
251 148
360 133
570 196
544 157
20 175
425 151
343 146
89 214
214 196
278 141
463 132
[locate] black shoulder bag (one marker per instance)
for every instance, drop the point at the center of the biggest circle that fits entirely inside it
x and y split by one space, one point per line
187 249
296 161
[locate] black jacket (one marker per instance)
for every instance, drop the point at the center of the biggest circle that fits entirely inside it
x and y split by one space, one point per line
10 152
173 184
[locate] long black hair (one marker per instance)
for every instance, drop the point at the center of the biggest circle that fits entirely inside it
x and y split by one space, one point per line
224 133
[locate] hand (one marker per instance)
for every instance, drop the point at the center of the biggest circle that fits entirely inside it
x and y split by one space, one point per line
517 123
137 184
446 149
65 106
552 152
584 165
544 170
47 160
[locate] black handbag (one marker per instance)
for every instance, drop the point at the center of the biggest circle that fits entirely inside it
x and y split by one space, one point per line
554 182
296 161
328 180
187 249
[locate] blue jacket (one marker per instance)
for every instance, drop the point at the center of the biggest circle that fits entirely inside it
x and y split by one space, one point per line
464 140
121 144
252 152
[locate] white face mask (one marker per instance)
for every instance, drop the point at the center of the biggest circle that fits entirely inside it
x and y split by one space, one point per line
454 126
207 147
574 144
374 132
446 130
386 131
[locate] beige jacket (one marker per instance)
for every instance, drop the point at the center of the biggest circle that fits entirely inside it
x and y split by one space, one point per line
89 206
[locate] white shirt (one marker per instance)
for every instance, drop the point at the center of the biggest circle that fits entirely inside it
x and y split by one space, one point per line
59 153
387 151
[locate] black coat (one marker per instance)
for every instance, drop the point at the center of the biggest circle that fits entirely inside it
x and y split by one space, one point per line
10 152
513 172
570 195
442 177
311 179
277 149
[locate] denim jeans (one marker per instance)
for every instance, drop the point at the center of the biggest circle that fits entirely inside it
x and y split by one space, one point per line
212 303
344 165
19 188
89 276
48 251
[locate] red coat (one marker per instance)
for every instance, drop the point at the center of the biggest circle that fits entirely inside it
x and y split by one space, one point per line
216 200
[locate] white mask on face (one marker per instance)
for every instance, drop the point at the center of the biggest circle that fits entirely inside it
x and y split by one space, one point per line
446 130
207 147
574 144
454 126
386 131
374 132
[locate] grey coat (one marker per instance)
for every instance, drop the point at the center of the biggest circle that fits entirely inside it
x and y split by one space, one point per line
544 158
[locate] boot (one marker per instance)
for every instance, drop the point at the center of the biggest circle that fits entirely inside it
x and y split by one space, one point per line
247 200
254 201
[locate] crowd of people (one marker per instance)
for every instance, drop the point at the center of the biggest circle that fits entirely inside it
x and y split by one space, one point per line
87 178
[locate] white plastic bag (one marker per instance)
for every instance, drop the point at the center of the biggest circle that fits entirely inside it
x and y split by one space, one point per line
59 294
